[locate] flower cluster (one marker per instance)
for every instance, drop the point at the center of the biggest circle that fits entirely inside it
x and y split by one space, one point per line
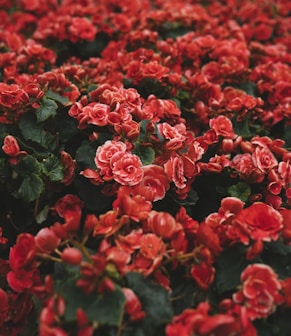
145 167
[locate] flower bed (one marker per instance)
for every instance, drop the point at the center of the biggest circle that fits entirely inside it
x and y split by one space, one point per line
145 176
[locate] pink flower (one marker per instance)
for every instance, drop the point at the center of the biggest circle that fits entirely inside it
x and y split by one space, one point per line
260 291
174 134
174 169
104 154
264 159
222 126
126 168
97 113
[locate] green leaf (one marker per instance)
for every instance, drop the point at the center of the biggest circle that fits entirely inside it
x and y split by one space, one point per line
155 302
47 109
86 154
53 169
278 247
106 308
67 127
191 198
33 131
143 129
56 97
249 87
287 135
242 128
92 195
30 188
278 256
28 165
230 264
240 190
184 291
146 154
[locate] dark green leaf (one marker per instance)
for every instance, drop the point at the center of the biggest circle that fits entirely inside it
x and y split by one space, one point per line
191 199
278 324
278 247
31 327
143 129
242 128
33 131
67 127
47 109
249 87
287 135
278 257
146 154
106 308
86 154
230 264
155 302
3 132
53 168
92 87
240 190
185 292
30 188
4 169
28 165
92 196
56 97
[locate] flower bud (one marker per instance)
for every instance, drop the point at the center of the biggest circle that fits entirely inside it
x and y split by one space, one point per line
227 145
72 256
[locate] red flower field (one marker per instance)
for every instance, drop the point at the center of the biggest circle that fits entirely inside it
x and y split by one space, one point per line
145 168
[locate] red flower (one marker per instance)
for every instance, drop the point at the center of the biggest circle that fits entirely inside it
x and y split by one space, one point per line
12 149
12 96
150 254
207 236
132 305
69 168
260 221
22 254
199 322
109 223
264 159
222 126
245 166
174 169
69 207
82 29
23 264
10 146
4 307
154 70
134 206
175 135
162 224
154 184
203 274
96 113
286 232
260 292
